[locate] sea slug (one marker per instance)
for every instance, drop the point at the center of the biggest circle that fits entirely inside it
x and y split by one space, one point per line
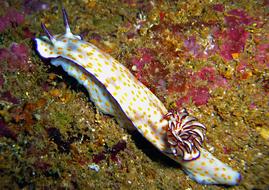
115 91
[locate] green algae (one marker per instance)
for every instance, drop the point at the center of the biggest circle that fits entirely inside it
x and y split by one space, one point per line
235 134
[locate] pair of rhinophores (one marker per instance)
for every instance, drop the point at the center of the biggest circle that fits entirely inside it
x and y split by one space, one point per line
115 91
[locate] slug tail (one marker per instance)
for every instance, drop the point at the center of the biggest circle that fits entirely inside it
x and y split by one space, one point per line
209 170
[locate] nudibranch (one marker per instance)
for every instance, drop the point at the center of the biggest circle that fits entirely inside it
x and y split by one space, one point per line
115 91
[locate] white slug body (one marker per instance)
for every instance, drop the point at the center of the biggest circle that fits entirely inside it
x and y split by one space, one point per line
115 91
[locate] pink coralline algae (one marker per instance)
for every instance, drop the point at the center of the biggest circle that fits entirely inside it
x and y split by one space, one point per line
199 96
233 41
145 58
148 70
237 17
218 7
210 75
16 58
234 37
262 54
12 18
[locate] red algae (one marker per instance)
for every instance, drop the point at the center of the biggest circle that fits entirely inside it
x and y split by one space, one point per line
210 75
199 96
233 41
112 152
218 7
6 131
12 18
237 17
2 80
7 96
16 58
262 54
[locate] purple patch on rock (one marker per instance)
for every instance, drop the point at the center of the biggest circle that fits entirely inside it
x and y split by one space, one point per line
2 80
199 96
31 6
12 18
218 7
120 146
7 96
192 46
262 54
98 157
5 131
233 41
237 17
16 57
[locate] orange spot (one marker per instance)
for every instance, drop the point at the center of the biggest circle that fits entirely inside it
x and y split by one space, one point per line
146 132
89 53
100 56
83 77
235 55
90 65
114 79
107 104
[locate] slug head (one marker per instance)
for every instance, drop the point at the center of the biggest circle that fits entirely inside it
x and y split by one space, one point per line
49 46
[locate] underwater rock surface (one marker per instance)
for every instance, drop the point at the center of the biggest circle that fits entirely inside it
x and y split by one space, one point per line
211 57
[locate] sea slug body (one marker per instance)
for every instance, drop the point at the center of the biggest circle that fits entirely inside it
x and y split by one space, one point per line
115 91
